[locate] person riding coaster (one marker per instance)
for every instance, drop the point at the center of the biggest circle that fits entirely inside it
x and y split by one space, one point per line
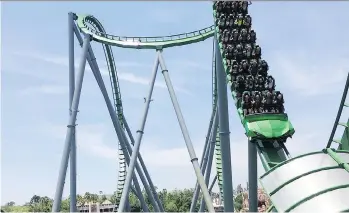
248 51
238 52
240 85
230 21
250 82
239 21
243 7
256 52
234 35
227 6
226 36
246 103
270 83
267 101
251 37
253 70
247 21
243 36
244 65
278 101
257 105
222 21
259 82
263 68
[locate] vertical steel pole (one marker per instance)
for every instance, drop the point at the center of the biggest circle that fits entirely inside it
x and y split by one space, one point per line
203 162
224 132
210 157
140 132
147 175
71 94
252 177
71 124
212 184
186 136
121 135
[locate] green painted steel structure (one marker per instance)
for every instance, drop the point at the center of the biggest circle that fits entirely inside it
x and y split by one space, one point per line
260 128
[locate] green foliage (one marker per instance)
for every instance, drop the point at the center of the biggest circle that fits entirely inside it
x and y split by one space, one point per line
173 201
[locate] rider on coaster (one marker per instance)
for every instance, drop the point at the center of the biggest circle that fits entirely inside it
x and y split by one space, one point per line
268 102
251 37
221 22
230 21
250 82
227 6
245 66
263 68
226 36
238 52
239 20
234 35
253 67
246 104
243 6
256 52
248 51
278 99
240 85
243 36
270 83
257 103
247 21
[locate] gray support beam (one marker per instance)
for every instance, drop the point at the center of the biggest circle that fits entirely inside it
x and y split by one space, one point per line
252 177
224 132
147 175
71 124
71 94
117 126
137 145
186 136
210 157
203 162
212 184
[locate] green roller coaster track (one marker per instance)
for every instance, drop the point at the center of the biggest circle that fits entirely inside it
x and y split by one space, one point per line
262 129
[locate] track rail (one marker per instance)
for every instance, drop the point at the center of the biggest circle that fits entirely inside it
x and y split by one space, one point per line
158 42
113 75
343 143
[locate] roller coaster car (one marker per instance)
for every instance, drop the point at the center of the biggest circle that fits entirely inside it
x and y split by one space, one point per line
268 126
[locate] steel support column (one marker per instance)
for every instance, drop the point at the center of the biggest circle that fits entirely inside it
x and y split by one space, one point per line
252 176
212 184
137 145
71 124
186 136
147 175
210 157
203 162
224 132
71 94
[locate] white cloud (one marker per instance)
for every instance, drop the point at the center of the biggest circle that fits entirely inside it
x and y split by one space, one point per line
45 89
310 77
122 75
163 164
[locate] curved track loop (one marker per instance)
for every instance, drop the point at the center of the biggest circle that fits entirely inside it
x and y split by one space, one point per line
108 52
159 42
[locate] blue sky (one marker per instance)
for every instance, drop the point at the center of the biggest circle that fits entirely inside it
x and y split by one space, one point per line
305 44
